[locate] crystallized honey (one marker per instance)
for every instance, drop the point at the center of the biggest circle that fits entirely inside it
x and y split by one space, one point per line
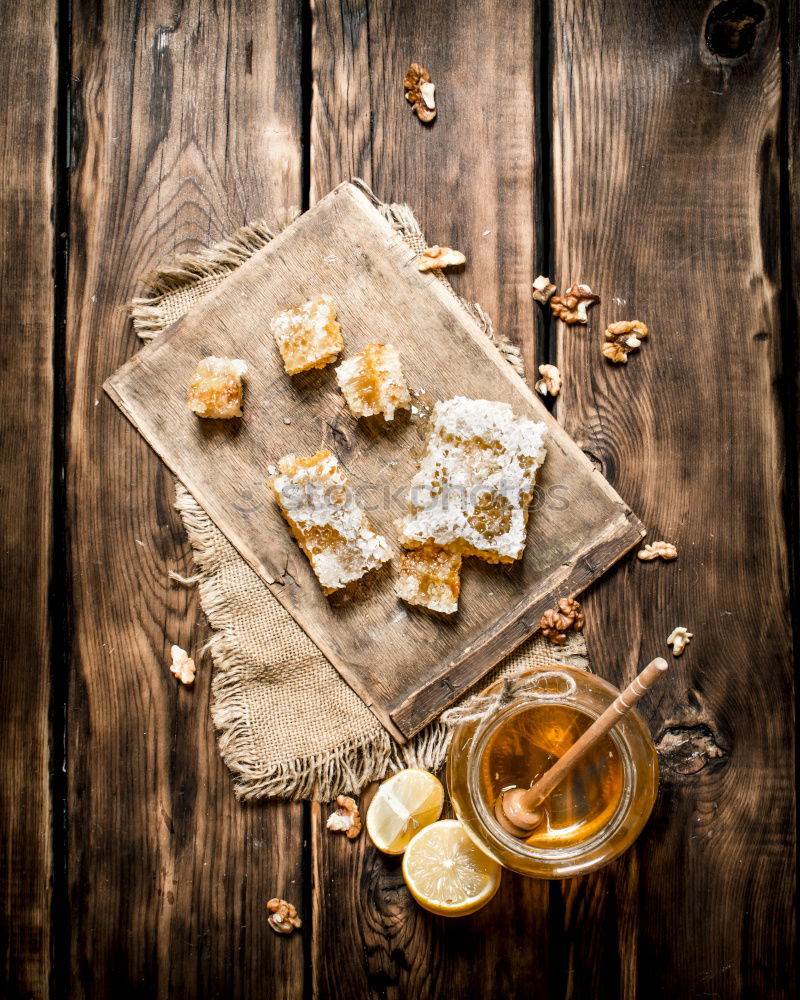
308 336
323 514
430 577
372 382
215 388
475 481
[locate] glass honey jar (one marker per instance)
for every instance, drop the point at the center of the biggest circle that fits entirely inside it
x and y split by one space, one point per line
599 808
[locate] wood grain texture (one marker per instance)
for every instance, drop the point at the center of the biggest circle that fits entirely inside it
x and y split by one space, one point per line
472 171
790 302
666 183
470 175
186 124
362 907
28 115
406 665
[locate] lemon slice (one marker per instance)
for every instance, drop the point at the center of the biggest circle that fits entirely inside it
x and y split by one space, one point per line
402 806
447 873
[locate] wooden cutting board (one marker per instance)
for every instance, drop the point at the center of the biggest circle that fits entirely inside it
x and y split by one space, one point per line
406 664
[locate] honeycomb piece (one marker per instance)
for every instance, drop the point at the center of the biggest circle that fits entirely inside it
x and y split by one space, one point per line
215 388
308 335
373 382
321 509
475 481
431 578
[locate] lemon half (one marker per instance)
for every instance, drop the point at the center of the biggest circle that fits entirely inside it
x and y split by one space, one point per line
403 805
447 873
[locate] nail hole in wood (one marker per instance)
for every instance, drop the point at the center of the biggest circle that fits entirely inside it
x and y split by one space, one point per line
731 28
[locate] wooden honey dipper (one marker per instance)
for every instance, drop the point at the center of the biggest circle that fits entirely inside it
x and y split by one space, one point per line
518 809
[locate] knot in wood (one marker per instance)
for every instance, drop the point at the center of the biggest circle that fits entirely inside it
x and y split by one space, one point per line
732 26
688 749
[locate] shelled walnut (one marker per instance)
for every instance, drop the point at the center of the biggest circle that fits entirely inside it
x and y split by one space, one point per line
679 639
283 918
182 666
436 257
420 92
550 382
543 289
556 622
658 550
346 819
622 338
573 305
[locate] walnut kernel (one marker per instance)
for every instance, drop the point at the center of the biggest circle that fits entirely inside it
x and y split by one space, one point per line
182 666
283 918
658 550
420 92
622 338
346 818
437 257
573 306
543 289
550 382
556 622
679 639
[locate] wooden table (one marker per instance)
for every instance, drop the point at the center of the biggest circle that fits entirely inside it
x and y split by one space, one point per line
601 141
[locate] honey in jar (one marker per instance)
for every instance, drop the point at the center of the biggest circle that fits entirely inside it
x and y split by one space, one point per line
598 809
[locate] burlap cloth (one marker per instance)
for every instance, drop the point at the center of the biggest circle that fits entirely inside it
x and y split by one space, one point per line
287 724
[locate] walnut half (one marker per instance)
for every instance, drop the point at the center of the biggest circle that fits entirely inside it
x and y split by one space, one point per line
346 819
622 338
550 382
283 918
543 289
573 305
436 257
679 639
556 622
182 666
658 550
420 92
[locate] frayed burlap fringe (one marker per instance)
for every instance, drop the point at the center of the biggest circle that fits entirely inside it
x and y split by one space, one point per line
321 775
344 768
201 269
204 269
288 726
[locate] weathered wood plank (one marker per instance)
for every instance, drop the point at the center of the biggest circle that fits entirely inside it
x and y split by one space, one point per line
471 173
27 205
370 934
186 124
665 175
790 242
469 176
406 666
